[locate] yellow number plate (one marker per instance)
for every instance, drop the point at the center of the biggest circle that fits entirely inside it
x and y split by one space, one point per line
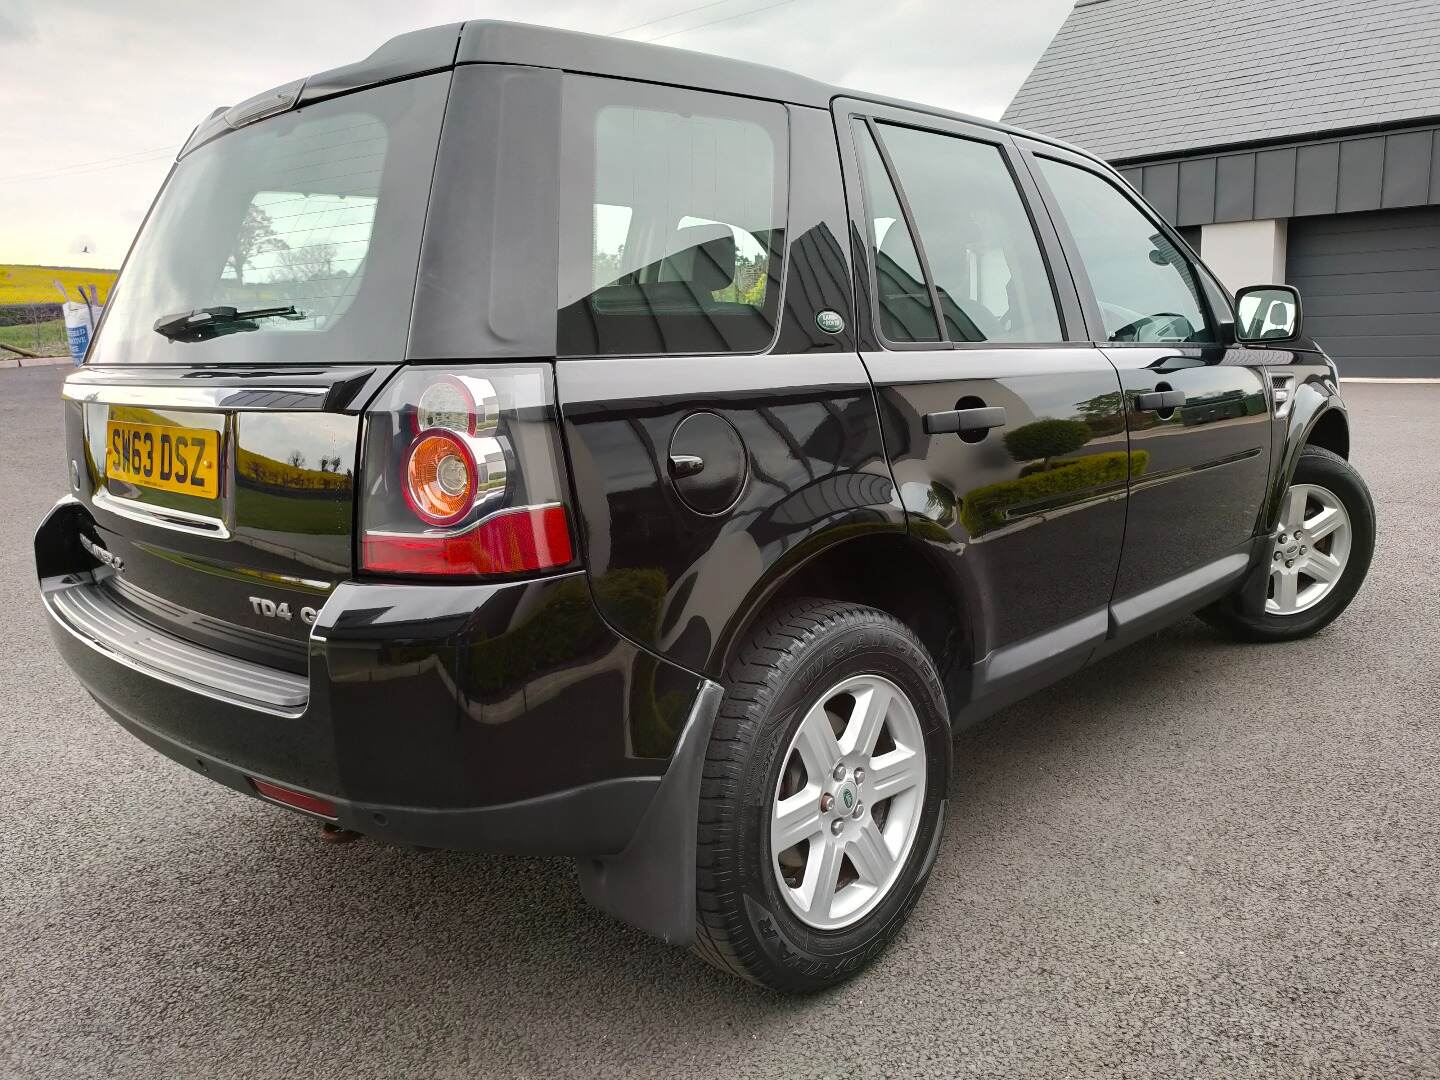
186 460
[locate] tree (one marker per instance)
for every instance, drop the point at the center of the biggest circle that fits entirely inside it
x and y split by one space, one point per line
312 262
256 237
1046 439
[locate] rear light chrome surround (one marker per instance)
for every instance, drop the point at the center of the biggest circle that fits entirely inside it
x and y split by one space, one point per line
463 475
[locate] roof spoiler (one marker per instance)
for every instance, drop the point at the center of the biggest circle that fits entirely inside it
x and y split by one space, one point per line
420 52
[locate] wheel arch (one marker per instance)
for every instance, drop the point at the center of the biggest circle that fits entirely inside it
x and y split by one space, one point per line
1318 417
893 572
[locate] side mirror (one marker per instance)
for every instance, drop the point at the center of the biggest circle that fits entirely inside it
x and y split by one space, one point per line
1267 313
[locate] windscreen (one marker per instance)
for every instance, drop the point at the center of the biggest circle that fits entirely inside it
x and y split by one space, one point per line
303 230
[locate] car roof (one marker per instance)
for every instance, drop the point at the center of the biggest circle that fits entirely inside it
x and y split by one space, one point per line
491 41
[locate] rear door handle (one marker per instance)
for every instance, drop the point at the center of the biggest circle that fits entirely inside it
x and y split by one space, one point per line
1159 400
958 420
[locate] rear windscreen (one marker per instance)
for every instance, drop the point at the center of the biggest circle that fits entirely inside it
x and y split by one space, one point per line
314 216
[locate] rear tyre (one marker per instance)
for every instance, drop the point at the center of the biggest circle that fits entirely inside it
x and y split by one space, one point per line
821 804
1317 559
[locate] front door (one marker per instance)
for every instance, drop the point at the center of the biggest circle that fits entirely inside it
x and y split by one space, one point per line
1196 408
1004 425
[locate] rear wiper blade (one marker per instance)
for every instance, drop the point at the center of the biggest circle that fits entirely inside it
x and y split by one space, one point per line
205 323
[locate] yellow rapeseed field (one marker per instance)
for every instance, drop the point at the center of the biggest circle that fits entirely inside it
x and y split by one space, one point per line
36 284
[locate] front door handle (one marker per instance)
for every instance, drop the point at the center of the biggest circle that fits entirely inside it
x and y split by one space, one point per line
1159 400
962 420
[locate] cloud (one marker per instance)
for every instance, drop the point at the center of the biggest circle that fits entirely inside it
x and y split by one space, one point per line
16 25
100 94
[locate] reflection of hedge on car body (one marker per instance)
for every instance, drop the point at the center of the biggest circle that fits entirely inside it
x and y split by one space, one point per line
989 507
1046 439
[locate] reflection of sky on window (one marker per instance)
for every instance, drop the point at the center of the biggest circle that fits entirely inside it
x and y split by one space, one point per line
612 223
746 246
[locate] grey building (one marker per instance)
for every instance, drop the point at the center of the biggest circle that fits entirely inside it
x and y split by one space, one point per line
1291 141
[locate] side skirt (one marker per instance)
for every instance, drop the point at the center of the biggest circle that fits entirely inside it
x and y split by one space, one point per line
1016 671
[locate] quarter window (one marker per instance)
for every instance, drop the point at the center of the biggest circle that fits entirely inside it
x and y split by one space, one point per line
1145 286
977 237
675 243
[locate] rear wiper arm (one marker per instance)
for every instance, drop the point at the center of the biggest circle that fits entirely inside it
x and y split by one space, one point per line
205 323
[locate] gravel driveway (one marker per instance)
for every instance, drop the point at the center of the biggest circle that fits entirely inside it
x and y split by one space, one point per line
1195 859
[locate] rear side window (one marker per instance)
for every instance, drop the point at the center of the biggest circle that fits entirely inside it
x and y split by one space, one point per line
977 237
903 297
672 227
1144 285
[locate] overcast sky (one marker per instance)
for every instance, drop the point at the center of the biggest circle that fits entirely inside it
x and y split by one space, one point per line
99 94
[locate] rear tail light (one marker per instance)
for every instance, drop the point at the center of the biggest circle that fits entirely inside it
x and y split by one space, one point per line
463 475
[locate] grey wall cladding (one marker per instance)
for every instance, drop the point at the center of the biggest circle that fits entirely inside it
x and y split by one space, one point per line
1339 175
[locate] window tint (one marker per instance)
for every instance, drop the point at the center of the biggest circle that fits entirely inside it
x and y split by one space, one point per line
675 246
321 209
906 313
977 237
1145 287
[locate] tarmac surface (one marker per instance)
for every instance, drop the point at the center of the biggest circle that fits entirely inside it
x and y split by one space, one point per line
1197 858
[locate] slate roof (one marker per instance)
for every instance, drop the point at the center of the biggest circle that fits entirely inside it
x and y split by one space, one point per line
1128 79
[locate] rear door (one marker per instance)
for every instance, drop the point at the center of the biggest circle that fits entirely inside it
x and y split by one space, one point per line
1196 407
718 419
1003 423
214 429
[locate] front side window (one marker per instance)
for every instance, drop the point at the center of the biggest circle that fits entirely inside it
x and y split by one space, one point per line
1144 285
673 229
977 237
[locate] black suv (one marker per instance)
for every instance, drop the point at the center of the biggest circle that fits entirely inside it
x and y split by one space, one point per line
531 442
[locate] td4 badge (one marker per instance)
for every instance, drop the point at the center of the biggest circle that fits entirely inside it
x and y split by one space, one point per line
271 610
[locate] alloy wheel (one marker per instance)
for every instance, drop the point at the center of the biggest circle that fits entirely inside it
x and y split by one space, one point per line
1310 551
848 802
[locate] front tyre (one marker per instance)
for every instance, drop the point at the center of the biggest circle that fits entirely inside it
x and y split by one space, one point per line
822 798
1317 559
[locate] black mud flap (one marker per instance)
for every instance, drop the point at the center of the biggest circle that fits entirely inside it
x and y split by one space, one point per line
651 884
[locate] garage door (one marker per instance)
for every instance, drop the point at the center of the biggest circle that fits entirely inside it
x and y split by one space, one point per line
1370 284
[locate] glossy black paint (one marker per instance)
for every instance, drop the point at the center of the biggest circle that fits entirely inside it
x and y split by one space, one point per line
681 580
500 715
422 696
279 530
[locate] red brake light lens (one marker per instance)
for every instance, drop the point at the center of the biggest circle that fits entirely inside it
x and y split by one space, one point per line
511 542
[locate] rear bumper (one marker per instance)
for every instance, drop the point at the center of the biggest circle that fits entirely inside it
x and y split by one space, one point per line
504 718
